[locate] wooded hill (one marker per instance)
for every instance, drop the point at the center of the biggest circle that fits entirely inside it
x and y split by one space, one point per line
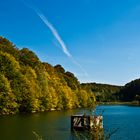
130 92
28 85
103 92
110 93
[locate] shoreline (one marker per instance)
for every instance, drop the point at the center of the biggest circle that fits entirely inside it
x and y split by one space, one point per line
133 103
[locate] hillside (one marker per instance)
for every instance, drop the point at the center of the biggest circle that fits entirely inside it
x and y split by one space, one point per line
130 92
103 92
28 85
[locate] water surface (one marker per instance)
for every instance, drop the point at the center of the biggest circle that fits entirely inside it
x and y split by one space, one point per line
56 125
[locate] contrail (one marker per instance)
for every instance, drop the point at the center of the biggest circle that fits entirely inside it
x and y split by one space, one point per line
82 69
55 33
61 42
50 26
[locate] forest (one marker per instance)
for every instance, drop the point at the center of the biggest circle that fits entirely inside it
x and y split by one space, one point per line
103 92
130 92
29 85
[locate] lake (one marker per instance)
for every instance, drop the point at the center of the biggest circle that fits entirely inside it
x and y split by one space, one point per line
124 120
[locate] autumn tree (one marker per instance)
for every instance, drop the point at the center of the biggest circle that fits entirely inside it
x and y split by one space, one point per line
8 103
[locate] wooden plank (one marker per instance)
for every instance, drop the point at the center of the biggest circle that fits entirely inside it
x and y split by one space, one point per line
81 122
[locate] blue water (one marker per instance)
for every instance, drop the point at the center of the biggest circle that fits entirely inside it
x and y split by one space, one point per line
126 119
56 125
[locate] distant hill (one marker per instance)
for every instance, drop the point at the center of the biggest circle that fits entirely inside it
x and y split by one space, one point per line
110 93
28 85
130 92
103 92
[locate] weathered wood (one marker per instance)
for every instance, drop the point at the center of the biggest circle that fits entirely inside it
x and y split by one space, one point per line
82 122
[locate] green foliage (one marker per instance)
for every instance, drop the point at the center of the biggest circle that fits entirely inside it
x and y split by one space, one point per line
130 92
8 47
28 57
103 92
28 85
72 81
9 66
59 69
8 103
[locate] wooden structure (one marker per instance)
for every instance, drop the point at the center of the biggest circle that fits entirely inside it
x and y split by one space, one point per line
86 122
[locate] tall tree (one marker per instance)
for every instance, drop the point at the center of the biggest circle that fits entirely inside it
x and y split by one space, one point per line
8 103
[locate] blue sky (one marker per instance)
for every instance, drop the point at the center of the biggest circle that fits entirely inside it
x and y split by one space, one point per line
102 36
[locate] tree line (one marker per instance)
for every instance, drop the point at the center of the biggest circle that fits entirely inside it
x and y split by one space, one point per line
130 92
103 92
